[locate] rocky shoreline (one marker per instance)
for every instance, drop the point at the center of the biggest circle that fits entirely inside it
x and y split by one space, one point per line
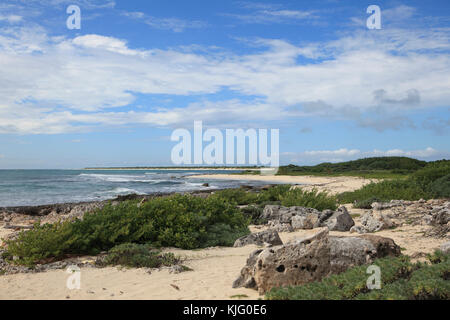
432 215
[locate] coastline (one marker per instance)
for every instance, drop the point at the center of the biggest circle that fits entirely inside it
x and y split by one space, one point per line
213 269
333 185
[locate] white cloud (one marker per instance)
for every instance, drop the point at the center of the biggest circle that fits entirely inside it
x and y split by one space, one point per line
270 15
55 85
173 24
11 18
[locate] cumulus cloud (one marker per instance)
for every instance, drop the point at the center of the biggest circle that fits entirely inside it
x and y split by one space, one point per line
59 84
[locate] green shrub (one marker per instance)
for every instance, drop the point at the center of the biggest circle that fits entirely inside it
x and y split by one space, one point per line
366 203
182 221
432 172
385 190
43 243
311 199
237 196
137 256
441 187
254 212
274 193
431 282
400 280
347 285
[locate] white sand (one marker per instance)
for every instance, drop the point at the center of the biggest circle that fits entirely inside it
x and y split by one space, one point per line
333 185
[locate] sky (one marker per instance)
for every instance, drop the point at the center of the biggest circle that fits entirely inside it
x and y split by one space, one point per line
112 92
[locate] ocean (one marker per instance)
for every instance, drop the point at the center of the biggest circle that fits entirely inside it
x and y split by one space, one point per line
40 187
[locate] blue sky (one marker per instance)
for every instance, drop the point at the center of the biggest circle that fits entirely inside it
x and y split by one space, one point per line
112 92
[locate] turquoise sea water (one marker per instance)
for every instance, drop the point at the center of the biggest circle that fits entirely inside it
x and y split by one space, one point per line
37 187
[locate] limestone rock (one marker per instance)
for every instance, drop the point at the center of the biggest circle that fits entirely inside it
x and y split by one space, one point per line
271 212
358 229
269 236
340 220
374 221
384 246
280 227
298 262
307 221
445 247
347 252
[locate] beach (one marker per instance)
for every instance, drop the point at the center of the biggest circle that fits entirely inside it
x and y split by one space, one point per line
333 185
212 275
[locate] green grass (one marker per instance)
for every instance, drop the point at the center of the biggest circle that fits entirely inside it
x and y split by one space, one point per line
400 280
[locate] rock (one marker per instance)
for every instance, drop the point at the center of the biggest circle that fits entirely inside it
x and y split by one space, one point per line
384 246
307 221
298 262
271 212
445 247
205 185
442 216
358 229
340 220
347 252
387 205
374 221
269 236
246 279
280 227
285 214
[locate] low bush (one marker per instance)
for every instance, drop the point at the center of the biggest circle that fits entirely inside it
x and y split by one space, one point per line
429 174
274 193
366 203
346 285
182 221
385 191
137 256
311 199
441 187
254 212
400 280
237 196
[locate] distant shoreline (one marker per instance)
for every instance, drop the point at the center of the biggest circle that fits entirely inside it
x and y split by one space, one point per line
176 168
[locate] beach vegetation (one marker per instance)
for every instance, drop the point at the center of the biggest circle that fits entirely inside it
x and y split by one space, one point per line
134 255
182 221
376 167
432 181
400 280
